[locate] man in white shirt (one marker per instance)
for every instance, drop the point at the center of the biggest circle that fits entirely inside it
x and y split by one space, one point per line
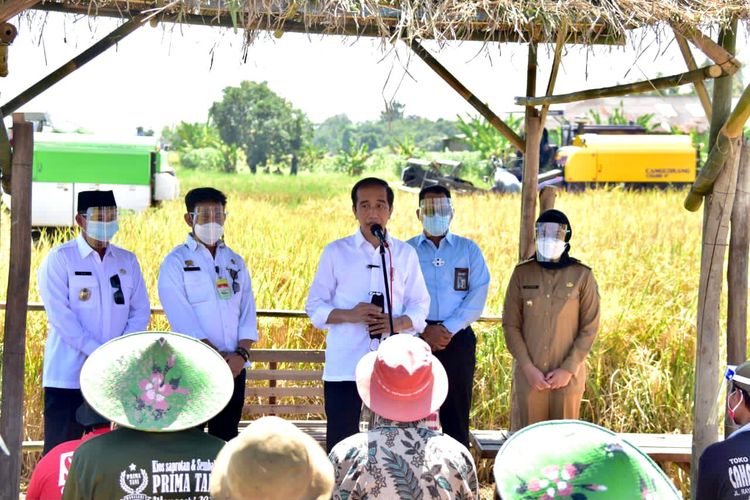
92 291
340 300
206 293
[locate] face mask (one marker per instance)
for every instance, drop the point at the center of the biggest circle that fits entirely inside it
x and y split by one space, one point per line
549 249
209 233
436 225
101 231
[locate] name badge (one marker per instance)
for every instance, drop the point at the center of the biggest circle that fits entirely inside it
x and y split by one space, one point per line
461 279
222 287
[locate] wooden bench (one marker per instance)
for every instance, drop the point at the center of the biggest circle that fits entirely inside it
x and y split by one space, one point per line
288 385
662 448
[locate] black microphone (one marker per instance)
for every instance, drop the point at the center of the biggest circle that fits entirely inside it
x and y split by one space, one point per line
377 231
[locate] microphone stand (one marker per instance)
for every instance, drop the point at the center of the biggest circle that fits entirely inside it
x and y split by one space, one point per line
387 288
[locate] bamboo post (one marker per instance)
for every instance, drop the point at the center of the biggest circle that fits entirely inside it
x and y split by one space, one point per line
716 216
530 179
456 85
87 55
714 71
14 341
739 243
722 99
708 370
547 197
700 87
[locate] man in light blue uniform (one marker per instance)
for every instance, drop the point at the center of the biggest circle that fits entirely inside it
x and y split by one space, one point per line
457 280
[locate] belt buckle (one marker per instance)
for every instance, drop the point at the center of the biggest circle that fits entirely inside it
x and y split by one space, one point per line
374 343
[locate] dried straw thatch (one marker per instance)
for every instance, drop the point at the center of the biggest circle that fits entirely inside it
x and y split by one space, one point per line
588 22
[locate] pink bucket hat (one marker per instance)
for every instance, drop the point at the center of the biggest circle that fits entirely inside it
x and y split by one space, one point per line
402 380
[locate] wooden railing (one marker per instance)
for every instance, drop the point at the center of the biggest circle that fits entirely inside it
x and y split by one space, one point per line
262 313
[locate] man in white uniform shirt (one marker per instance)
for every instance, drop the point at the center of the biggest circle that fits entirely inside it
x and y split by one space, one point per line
206 293
340 301
92 291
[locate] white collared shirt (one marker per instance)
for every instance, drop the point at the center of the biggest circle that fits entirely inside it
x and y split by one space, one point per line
188 292
349 269
78 296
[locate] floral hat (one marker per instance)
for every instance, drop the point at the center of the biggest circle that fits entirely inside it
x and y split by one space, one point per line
156 381
575 460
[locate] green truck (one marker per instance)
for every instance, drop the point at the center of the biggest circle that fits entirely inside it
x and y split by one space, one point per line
65 164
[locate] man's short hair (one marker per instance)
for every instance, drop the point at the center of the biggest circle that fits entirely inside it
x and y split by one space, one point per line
372 182
437 189
200 195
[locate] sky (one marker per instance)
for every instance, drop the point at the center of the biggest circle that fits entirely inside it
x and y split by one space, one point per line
162 75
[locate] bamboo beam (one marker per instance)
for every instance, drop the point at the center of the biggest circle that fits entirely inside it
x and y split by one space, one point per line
717 52
87 55
14 341
700 87
714 71
721 150
559 44
530 180
583 33
12 8
456 85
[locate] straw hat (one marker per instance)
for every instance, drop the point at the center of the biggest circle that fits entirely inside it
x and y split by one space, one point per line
402 380
156 381
272 459
576 459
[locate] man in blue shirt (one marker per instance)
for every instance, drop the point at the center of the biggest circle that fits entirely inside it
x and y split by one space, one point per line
457 280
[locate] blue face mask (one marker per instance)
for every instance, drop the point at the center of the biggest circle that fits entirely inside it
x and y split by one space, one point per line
436 225
101 231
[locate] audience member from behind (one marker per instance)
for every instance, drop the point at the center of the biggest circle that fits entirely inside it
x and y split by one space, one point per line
48 479
724 467
576 459
402 383
272 459
157 387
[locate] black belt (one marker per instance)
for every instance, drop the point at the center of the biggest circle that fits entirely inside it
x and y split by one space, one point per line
434 322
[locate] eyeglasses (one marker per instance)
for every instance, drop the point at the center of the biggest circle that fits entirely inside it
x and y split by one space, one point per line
118 295
209 215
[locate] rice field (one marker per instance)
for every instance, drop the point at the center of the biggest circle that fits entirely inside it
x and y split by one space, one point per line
643 246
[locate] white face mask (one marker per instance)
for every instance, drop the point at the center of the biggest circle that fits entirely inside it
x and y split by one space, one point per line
436 225
209 233
101 231
549 249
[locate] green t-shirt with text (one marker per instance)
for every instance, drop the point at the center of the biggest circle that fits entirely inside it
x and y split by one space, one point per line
126 464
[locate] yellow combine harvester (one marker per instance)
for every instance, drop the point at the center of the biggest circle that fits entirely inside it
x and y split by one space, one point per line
638 159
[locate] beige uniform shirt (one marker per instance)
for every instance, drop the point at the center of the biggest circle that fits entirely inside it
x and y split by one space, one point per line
550 319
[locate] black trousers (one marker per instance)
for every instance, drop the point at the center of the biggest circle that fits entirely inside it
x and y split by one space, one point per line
459 360
60 422
224 424
343 407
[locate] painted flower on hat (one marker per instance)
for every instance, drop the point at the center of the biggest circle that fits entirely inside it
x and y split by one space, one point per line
556 481
155 391
157 387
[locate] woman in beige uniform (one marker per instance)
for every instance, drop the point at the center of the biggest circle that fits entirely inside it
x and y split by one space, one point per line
550 320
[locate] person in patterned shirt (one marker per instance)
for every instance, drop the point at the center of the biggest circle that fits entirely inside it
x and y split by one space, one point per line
400 458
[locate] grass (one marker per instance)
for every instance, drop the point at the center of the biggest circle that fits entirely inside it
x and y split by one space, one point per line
643 246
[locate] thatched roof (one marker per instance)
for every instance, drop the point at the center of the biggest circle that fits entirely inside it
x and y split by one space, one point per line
588 22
